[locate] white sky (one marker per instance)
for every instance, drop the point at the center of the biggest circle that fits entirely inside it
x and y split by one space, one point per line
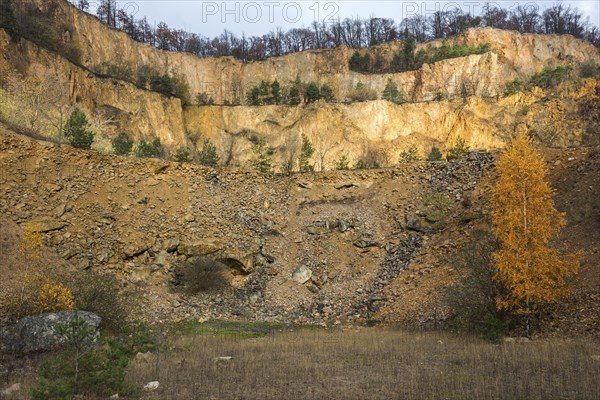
210 18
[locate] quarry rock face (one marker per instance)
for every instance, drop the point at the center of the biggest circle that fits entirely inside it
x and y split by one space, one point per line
512 54
292 247
355 130
376 241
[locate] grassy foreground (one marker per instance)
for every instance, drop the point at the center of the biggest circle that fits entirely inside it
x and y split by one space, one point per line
373 363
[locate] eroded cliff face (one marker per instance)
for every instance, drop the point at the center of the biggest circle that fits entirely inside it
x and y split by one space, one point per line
355 129
382 129
512 54
143 113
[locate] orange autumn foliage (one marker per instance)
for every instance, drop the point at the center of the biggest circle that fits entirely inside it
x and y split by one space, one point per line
525 220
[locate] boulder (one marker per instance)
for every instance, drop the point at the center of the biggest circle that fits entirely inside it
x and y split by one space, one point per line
363 243
52 187
162 258
343 225
200 247
302 274
44 225
8 341
171 244
134 250
140 273
415 223
346 185
42 332
60 210
305 185
150 386
144 358
11 390
317 230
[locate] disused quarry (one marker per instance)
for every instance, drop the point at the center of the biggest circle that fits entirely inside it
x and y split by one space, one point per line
331 247
306 247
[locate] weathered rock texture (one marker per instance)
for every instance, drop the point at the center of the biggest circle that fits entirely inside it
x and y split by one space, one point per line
384 129
512 54
338 129
44 332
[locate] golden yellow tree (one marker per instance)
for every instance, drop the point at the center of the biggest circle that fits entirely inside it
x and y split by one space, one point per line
31 244
38 294
525 220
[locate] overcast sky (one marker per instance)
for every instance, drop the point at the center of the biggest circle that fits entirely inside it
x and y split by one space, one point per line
210 18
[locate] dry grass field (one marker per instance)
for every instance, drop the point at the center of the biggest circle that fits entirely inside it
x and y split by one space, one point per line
369 363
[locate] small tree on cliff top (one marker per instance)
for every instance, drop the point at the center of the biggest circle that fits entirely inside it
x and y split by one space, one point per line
525 220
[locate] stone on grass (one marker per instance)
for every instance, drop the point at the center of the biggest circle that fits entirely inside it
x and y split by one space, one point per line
151 386
12 389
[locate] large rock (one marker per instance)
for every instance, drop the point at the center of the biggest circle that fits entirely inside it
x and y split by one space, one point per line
171 244
134 250
11 390
43 332
200 247
302 274
44 225
415 223
8 341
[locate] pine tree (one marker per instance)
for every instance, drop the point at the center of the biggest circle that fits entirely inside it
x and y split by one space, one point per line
152 149
312 93
435 154
391 93
459 150
77 130
183 155
122 144
342 163
208 155
525 220
355 61
294 96
306 153
253 97
263 92
263 154
411 154
408 50
276 92
327 93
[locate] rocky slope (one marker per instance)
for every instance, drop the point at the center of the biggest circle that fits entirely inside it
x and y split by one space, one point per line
328 247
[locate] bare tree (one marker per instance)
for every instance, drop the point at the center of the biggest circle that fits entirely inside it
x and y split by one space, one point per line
289 153
107 12
525 19
417 25
102 124
494 16
323 143
83 5
35 100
